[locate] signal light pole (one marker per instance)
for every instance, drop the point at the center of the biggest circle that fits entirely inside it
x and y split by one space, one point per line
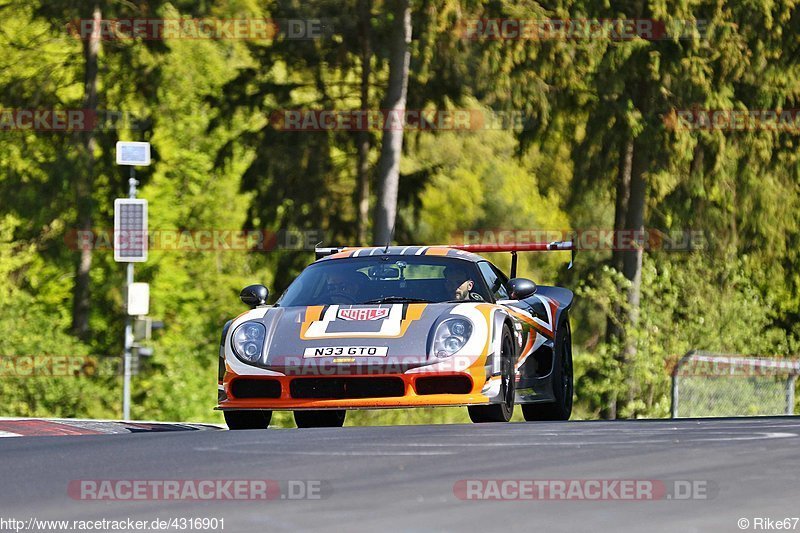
130 224
126 376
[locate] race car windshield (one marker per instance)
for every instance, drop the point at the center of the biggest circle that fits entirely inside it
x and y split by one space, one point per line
382 279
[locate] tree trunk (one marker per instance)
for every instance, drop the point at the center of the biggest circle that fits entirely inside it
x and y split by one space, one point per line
613 330
84 184
632 260
394 105
362 140
622 197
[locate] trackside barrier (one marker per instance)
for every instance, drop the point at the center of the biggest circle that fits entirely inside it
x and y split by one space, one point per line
711 384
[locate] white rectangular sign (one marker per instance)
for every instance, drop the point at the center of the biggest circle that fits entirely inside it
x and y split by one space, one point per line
138 299
136 154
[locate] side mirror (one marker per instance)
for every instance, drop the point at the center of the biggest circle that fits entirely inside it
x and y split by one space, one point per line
254 295
521 288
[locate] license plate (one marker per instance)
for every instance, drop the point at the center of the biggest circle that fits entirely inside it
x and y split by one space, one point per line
355 351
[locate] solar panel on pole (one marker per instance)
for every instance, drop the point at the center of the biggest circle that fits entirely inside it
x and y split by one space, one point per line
130 230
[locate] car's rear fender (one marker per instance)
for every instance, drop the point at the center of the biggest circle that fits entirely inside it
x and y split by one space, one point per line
562 296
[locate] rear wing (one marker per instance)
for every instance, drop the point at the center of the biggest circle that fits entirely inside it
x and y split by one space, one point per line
319 253
555 246
513 248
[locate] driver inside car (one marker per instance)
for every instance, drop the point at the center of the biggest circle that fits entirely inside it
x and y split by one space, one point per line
457 282
342 288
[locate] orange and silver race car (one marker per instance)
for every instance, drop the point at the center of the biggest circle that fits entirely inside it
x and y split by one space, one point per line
396 327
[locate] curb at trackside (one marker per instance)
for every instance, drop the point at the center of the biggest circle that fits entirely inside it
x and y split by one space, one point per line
40 427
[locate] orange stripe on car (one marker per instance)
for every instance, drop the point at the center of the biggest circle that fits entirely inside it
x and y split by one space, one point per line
313 313
438 250
528 320
414 312
343 254
486 310
528 346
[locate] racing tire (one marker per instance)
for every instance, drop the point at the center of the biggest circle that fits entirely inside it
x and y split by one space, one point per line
500 412
247 419
563 387
320 419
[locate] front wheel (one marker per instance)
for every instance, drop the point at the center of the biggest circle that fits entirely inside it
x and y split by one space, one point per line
561 408
500 412
320 419
247 419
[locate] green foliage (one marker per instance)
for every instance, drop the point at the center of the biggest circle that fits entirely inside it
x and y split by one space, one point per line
473 191
683 308
31 330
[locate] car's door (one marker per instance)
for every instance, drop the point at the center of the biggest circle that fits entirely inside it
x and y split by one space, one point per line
497 282
531 307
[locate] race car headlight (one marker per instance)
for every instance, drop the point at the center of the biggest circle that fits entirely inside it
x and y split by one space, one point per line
248 340
450 336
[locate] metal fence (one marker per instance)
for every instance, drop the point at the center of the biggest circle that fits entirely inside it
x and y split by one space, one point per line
709 384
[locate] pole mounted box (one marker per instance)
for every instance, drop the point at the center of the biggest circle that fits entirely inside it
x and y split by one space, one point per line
138 299
130 230
135 154
143 328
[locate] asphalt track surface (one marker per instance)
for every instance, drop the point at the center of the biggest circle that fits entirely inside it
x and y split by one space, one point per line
402 478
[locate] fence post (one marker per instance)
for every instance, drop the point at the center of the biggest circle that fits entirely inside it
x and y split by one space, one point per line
674 396
675 391
790 394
